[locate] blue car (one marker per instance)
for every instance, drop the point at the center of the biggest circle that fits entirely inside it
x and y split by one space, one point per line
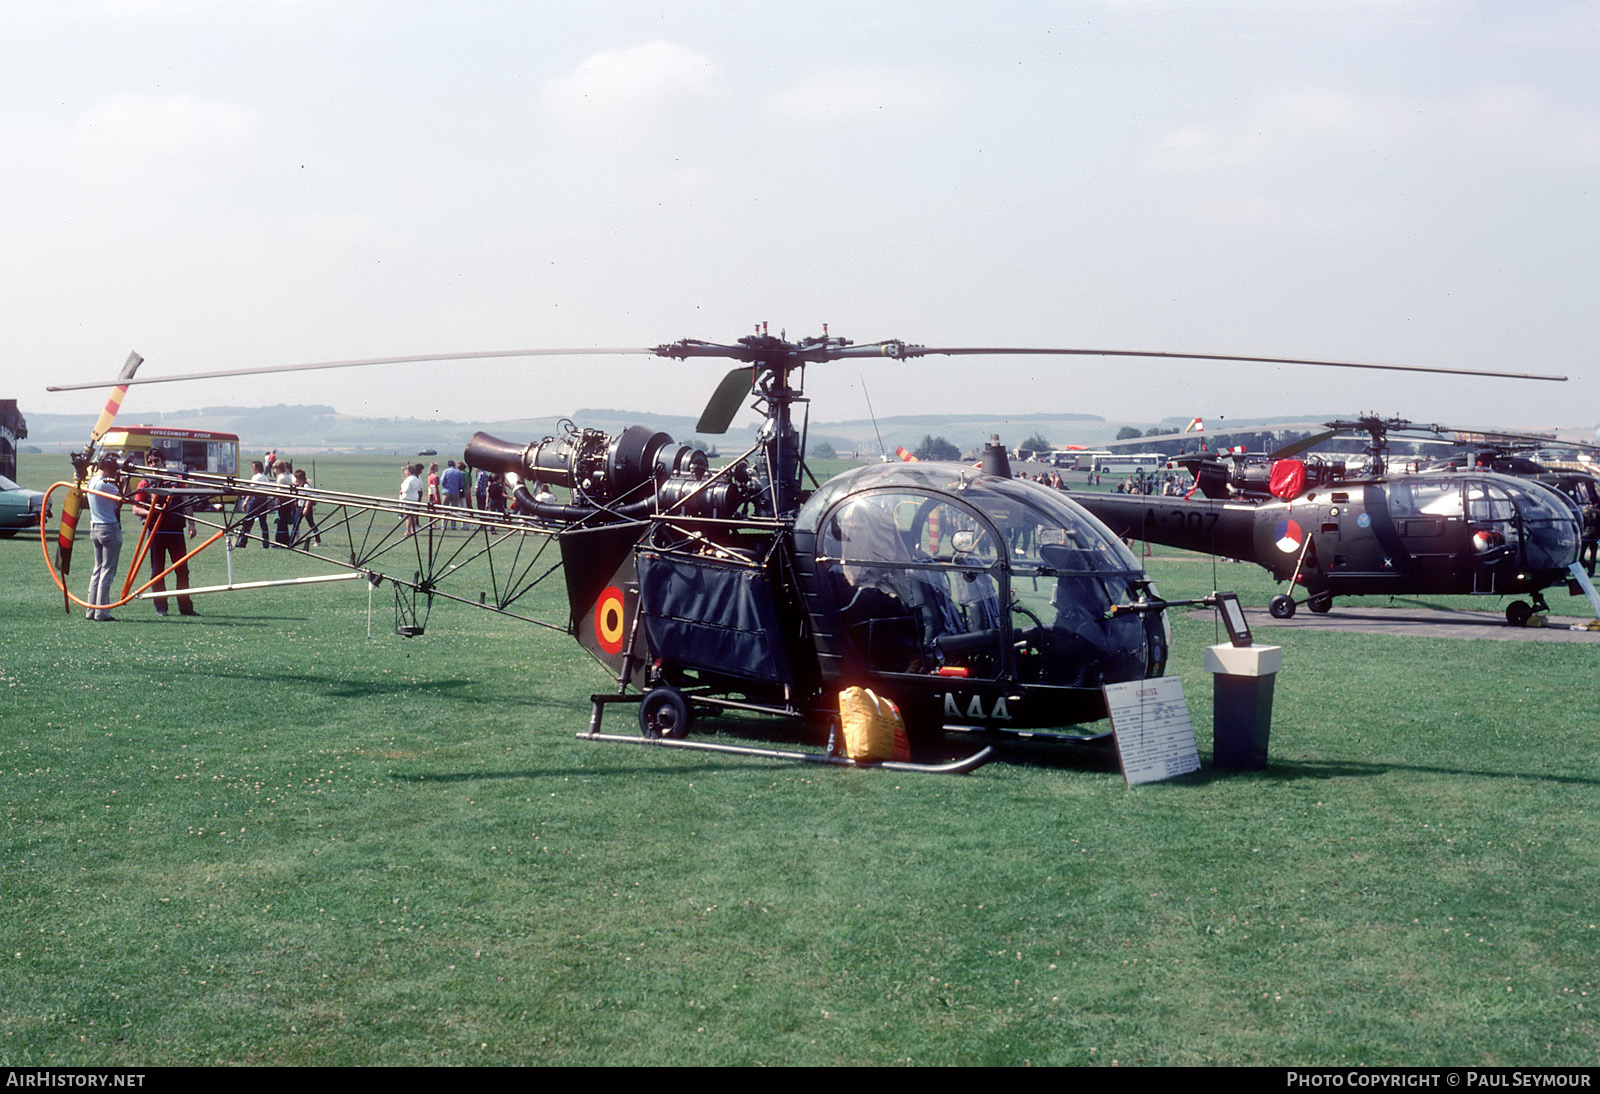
19 508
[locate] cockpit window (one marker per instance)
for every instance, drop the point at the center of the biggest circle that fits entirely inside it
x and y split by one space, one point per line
1030 523
1539 527
902 584
1537 501
1488 504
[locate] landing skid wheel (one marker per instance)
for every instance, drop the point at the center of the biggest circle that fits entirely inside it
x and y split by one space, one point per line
664 712
1321 604
1518 612
1281 607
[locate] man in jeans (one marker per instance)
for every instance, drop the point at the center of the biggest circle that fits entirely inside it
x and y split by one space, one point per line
453 485
105 532
256 509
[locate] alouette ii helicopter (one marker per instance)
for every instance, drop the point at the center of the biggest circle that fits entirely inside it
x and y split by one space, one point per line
965 596
1331 530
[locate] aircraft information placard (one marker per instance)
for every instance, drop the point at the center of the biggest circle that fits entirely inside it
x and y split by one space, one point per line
1150 722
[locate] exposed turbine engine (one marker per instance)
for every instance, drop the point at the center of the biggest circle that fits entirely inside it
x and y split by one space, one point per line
635 472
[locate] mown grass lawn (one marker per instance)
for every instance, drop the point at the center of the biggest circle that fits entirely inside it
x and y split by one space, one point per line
261 836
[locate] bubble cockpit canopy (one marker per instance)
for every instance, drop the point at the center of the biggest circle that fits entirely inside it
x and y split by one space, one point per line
939 569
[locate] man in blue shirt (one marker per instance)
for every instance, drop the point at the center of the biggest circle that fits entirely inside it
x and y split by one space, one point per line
105 532
453 484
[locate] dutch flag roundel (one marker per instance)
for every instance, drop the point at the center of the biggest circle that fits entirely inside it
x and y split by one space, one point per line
1288 536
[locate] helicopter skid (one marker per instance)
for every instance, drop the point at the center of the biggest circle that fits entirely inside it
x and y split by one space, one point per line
955 767
1033 734
693 699
600 702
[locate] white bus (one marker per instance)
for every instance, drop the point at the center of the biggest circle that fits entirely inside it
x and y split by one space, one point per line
1128 463
1076 459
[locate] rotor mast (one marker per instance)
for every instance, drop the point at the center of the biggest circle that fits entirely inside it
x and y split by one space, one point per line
774 362
1377 430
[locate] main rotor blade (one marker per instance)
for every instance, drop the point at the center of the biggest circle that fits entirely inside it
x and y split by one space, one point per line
1494 436
468 355
724 402
813 352
961 351
1305 444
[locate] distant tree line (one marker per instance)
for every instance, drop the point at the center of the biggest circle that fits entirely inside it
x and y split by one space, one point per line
936 448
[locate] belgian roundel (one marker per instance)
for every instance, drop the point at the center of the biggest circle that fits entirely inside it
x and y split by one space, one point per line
609 620
1287 535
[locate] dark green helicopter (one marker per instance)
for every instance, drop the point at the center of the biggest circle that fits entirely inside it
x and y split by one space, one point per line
1332 530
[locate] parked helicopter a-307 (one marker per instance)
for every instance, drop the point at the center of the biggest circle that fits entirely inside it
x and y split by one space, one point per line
966 597
1331 531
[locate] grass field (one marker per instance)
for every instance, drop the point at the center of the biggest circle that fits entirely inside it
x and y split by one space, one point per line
260 836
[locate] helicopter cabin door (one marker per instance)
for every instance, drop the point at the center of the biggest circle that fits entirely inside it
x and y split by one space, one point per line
1427 514
1497 548
918 585
1409 528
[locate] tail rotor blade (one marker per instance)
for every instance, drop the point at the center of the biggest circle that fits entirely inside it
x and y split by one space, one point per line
108 413
72 505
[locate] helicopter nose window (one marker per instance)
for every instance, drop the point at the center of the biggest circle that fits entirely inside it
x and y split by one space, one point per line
1547 527
1066 571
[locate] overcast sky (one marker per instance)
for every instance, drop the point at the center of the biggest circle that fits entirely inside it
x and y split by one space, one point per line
229 183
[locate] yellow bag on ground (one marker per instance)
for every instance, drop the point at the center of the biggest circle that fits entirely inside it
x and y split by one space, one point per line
873 728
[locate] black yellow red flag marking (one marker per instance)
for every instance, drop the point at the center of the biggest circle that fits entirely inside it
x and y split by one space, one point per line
610 626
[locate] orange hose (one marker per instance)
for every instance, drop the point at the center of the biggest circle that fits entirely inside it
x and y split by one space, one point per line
141 551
